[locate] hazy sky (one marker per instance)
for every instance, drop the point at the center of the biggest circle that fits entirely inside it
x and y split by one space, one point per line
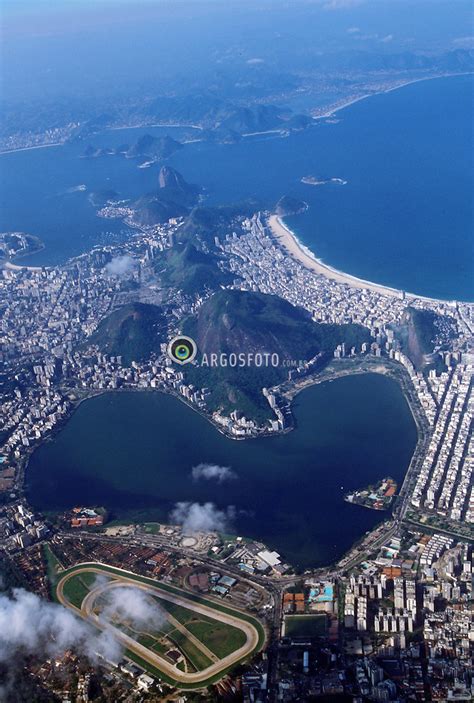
93 47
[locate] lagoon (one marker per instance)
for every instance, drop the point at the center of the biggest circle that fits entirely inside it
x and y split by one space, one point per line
134 451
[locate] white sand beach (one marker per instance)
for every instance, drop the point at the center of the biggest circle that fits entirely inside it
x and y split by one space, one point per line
289 241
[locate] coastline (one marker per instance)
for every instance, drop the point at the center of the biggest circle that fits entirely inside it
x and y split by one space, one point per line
288 239
174 125
337 108
10 265
330 112
377 367
30 148
301 253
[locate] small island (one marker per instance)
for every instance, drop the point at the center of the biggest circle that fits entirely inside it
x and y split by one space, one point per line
378 497
148 149
316 181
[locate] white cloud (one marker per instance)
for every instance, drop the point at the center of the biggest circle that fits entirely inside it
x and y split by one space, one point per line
353 30
213 471
120 265
367 37
197 517
255 61
386 39
131 604
342 4
464 41
30 625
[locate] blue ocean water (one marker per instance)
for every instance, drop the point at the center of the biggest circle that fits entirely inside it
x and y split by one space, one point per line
405 217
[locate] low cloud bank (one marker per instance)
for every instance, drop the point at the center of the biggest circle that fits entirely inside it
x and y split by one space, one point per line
30 625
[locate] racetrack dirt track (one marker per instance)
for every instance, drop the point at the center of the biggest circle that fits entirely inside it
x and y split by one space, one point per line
153 658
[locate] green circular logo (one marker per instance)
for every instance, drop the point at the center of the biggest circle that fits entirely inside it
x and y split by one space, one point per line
182 349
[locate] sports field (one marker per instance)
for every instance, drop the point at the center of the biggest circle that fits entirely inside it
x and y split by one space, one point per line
305 625
187 640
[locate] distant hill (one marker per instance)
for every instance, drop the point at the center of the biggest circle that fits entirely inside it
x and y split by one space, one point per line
252 119
215 113
173 198
233 321
238 109
456 60
221 135
220 119
154 148
146 147
133 332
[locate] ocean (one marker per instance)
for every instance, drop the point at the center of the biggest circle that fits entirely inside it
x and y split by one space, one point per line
404 218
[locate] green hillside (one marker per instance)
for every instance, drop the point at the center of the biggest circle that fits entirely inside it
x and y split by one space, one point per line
421 332
189 269
133 332
234 321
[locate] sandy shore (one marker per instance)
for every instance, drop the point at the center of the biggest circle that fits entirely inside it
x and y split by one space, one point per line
331 111
19 267
30 148
289 241
301 253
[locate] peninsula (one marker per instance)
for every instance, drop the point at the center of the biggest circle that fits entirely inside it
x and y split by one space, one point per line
378 497
13 245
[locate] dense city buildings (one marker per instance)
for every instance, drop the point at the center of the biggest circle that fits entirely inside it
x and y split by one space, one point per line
274 500
394 615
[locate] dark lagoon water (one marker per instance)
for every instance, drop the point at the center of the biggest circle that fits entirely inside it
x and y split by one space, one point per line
405 217
134 452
